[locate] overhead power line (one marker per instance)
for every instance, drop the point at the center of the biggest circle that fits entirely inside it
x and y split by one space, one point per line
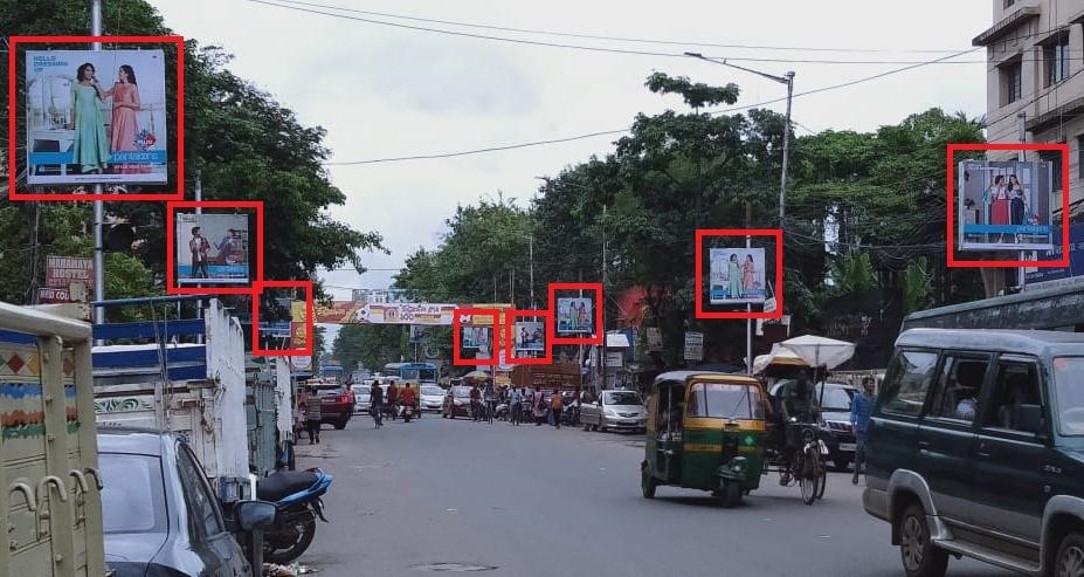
624 130
300 7
615 38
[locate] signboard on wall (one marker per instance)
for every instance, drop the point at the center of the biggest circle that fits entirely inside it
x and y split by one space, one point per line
1041 278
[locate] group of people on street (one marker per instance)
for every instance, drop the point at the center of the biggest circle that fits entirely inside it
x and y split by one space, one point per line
797 403
397 398
523 405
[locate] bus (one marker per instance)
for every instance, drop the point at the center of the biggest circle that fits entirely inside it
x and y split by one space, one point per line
414 372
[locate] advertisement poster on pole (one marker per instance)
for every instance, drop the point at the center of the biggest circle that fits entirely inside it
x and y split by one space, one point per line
530 336
694 346
96 117
212 248
1005 205
574 316
419 334
654 339
1045 278
737 276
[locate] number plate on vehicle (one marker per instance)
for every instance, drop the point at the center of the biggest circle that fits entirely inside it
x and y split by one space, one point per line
848 447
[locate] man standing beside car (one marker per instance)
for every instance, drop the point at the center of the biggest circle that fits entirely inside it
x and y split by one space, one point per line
861 409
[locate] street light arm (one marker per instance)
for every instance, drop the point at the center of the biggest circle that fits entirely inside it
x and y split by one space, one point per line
779 79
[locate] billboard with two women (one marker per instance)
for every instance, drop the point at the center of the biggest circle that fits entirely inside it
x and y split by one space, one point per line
737 276
1005 205
95 117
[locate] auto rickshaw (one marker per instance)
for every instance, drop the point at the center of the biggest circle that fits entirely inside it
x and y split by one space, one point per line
705 430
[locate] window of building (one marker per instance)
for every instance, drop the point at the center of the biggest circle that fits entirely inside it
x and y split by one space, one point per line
1011 82
1009 3
1054 157
1056 60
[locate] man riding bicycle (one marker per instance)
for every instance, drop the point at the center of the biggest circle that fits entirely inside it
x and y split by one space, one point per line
489 394
797 407
475 402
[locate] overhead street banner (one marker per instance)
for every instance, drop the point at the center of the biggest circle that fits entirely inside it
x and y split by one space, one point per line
433 314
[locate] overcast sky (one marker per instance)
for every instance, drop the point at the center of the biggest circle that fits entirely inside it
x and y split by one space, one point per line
384 92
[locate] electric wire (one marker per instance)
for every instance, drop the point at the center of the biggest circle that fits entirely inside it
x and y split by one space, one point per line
615 38
596 134
581 47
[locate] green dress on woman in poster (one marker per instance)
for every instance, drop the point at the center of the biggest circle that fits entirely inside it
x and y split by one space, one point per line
733 278
91 147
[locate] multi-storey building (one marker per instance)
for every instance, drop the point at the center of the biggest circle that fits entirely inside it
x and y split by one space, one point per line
1035 83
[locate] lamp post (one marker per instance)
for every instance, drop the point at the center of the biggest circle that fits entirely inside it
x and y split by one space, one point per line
788 79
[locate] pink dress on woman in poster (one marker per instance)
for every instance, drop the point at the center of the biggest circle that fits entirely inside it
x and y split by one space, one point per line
999 212
125 104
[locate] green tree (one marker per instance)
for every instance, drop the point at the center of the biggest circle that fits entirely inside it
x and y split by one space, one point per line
371 346
240 140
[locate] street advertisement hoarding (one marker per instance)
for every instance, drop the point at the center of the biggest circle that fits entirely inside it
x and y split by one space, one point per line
694 346
419 334
1005 205
574 316
212 248
737 276
96 117
530 336
476 338
1040 278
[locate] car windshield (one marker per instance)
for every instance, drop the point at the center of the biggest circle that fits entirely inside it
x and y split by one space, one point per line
329 390
623 398
1069 389
725 401
133 494
432 390
835 399
461 391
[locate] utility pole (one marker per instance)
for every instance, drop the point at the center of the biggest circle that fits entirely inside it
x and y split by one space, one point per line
99 206
1021 122
199 211
749 306
786 156
602 302
531 258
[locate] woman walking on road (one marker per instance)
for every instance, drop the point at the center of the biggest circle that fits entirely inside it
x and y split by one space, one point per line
313 416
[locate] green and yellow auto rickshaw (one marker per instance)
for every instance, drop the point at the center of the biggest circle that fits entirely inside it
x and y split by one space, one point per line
706 431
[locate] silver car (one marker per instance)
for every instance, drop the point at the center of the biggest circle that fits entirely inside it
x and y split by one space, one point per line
615 411
432 398
361 398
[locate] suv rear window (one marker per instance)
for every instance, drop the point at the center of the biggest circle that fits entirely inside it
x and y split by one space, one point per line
908 382
133 494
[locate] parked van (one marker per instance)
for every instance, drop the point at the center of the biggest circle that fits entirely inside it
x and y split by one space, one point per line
977 449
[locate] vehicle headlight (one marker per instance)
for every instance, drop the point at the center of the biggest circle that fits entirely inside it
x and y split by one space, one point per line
609 412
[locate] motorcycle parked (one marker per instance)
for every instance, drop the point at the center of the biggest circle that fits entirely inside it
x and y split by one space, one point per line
296 495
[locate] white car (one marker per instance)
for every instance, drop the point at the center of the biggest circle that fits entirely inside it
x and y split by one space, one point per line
432 398
361 398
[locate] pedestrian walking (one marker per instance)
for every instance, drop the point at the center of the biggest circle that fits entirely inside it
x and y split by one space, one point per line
861 408
538 407
515 400
557 404
376 404
313 416
393 399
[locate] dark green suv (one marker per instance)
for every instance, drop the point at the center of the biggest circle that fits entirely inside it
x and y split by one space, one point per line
976 449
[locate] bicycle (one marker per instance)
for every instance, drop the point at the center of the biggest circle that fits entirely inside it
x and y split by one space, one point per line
490 410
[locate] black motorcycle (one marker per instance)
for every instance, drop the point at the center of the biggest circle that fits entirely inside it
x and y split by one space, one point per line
296 494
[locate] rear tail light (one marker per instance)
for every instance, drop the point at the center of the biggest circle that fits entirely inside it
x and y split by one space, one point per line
345 399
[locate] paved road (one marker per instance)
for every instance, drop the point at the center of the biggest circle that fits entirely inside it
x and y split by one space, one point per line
534 501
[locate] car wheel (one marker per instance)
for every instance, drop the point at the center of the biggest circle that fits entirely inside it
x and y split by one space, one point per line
921 558
340 425
1070 559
